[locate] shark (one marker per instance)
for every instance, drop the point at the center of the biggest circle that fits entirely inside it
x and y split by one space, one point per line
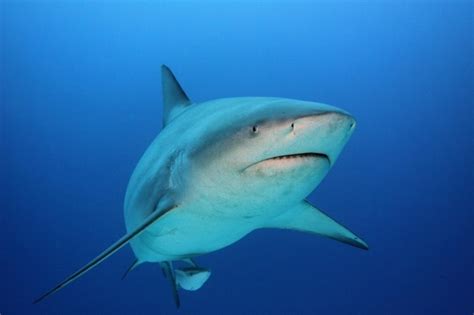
223 168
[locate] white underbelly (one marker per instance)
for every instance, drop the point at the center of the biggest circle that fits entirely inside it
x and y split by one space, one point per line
185 233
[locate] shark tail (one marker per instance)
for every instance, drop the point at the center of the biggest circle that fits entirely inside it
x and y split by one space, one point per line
167 268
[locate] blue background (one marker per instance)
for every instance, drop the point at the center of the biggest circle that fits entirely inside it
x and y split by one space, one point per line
81 100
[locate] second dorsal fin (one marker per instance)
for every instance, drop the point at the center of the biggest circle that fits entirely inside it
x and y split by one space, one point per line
175 99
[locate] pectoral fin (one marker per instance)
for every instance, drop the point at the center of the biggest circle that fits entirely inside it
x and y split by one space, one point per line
307 218
106 253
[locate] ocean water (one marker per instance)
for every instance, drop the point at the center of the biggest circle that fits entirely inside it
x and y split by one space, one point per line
81 101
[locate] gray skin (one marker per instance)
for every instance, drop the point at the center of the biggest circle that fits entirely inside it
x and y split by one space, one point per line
221 169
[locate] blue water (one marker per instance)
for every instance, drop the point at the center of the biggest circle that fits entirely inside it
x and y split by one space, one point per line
81 100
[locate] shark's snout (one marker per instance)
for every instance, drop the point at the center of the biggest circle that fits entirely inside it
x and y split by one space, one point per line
334 120
325 133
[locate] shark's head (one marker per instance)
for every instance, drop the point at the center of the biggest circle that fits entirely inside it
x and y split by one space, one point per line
274 145
283 134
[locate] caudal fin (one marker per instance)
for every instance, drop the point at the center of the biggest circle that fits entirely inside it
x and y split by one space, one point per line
169 273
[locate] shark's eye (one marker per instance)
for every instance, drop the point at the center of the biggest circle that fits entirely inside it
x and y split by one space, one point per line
254 129
292 125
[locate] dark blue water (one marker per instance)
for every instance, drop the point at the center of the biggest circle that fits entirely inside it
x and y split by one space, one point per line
81 100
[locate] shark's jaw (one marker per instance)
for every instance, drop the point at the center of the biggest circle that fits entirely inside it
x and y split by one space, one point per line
291 161
296 156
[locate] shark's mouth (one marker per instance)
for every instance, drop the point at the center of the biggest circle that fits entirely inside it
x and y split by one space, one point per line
289 160
299 156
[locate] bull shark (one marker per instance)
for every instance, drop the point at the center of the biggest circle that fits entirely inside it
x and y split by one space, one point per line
221 169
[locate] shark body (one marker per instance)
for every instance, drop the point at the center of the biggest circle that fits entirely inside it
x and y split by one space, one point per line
223 168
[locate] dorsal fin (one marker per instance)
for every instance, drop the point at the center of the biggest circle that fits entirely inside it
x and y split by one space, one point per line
175 99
